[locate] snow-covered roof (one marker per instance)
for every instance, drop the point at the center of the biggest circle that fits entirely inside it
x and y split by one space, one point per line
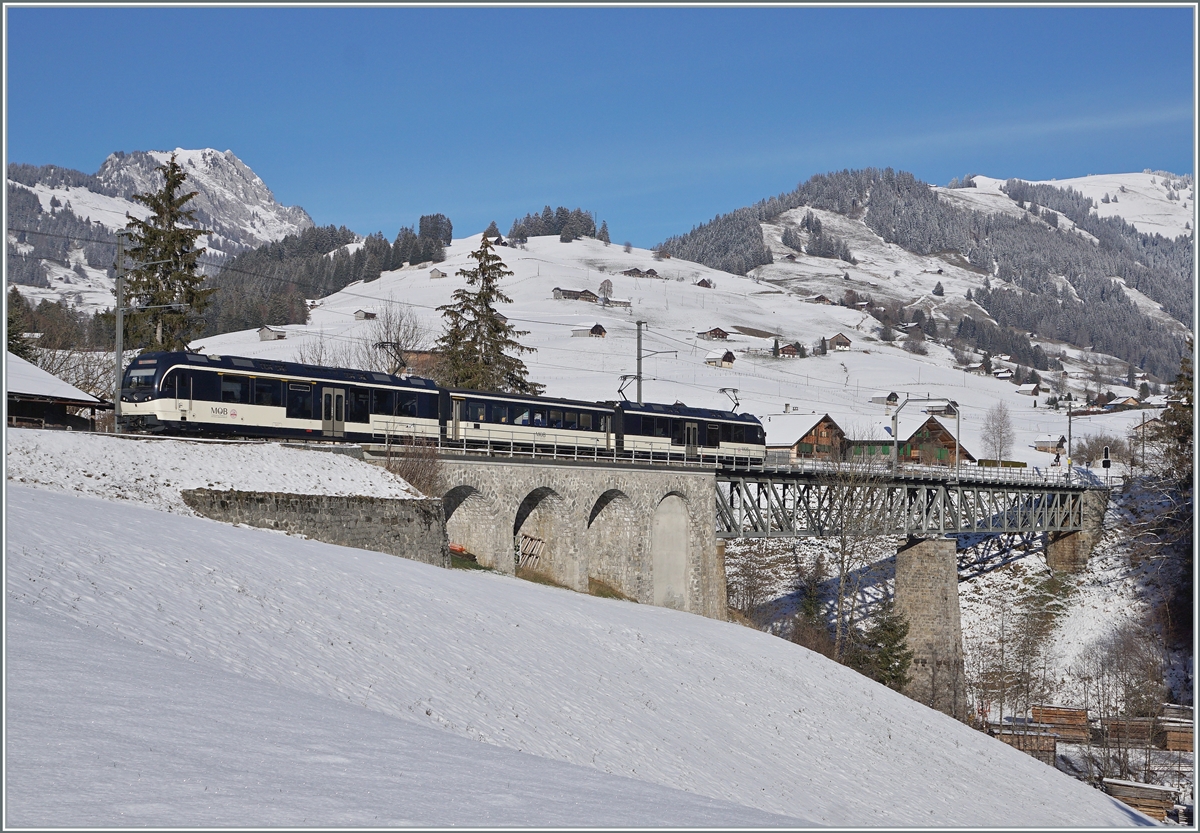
28 379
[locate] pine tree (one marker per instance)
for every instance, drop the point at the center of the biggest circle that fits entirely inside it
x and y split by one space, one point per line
602 235
481 347
492 231
881 652
17 318
170 277
939 290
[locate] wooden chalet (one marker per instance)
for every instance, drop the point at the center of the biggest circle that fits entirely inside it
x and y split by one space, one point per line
436 273
1031 389
271 334
933 444
595 331
650 273
839 342
820 299
715 334
37 399
790 351
890 399
1051 443
719 358
364 315
824 440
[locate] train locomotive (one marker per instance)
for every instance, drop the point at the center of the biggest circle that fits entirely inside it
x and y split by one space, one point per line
232 396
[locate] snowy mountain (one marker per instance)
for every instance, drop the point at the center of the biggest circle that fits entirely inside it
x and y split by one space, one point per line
231 201
249 678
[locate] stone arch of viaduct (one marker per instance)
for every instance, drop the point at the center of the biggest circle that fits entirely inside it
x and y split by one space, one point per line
648 533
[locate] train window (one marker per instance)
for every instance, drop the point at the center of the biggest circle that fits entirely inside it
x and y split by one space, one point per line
647 426
406 403
327 411
585 421
520 415
339 403
383 402
739 433
268 392
299 402
206 385
476 411
632 424
556 419
358 405
539 417
499 413
571 419
241 362
427 407
677 432
712 437
235 388
726 432
140 378
662 427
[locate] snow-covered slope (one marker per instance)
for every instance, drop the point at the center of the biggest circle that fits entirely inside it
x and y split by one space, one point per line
271 671
675 310
1141 199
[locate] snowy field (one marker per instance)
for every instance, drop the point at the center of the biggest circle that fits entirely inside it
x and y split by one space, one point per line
153 471
167 669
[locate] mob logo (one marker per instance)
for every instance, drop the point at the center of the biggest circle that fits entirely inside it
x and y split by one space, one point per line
220 411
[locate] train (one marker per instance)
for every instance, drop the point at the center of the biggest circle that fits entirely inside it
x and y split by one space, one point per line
199 394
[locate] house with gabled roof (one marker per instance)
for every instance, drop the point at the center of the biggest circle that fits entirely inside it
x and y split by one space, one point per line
715 334
719 358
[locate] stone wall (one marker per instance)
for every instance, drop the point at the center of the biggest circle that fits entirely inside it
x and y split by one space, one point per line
1068 552
408 528
927 597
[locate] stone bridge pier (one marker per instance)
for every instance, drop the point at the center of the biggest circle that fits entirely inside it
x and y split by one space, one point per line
646 532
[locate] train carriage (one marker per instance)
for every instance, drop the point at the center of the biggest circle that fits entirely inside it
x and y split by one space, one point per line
193 393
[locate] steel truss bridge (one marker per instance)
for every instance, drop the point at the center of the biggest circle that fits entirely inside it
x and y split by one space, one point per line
924 502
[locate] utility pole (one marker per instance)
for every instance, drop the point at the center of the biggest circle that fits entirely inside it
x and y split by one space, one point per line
120 335
1069 403
639 361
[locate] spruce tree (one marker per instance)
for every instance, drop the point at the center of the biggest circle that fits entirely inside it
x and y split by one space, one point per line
18 344
481 347
165 242
492 231
881 651
602 235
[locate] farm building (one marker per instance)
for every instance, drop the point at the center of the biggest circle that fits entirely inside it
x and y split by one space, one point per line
271 334
705 283
436 273
1052 443
889 399
716 333
791 351
364 315
719 358
839 342
1031 389
36 399
595 331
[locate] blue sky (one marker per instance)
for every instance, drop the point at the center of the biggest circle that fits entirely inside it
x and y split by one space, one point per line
655 119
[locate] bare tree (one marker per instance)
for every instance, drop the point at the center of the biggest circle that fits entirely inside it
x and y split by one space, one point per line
998 431
383 345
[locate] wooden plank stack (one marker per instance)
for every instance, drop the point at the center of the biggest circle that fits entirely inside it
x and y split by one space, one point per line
1177 734
1150 799
1071 725
1031 739
1129 731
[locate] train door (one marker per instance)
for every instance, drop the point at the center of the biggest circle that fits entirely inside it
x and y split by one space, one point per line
333 412
180 386
691 441
606 421
458 407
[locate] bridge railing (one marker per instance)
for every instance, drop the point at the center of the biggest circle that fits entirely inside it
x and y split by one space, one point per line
499 443
882 469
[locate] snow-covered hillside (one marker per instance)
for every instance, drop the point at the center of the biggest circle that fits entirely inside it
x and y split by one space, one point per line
1141 199
166 669
231 201
781 392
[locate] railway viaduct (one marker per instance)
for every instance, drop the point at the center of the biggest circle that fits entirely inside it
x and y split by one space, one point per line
645 532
